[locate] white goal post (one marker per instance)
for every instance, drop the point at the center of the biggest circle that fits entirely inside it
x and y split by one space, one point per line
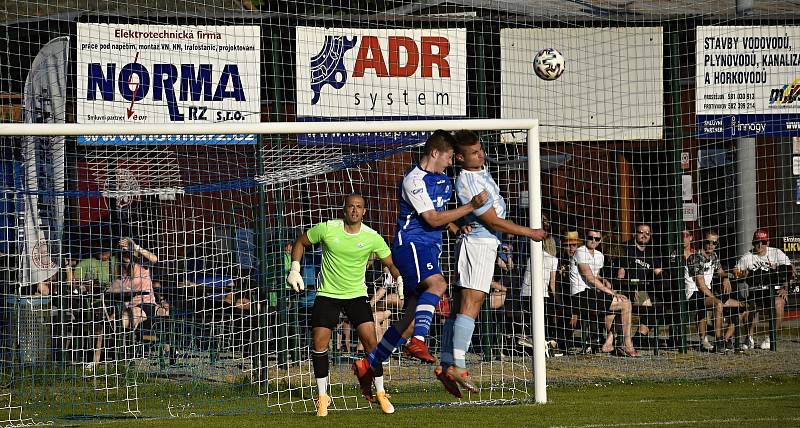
534 174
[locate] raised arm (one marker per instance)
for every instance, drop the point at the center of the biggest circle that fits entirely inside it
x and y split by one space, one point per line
129 244
440 218
497 224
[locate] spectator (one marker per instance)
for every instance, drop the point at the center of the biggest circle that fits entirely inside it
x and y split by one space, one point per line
596 296
136 280
641 268
102 268
762 267
701 267
550 267
567 308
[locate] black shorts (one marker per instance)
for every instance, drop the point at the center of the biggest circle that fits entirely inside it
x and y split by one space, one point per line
326 311
697 301
593 300
760 299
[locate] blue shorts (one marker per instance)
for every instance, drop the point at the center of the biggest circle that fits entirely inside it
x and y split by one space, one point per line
415 263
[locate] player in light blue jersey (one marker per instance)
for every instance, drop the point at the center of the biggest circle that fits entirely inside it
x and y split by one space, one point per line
476 251
424 192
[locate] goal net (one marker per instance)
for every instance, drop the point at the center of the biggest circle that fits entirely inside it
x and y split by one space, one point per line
208 135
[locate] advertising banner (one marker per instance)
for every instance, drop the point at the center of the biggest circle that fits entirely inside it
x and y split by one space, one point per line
611 89
379 74
748 81
168 74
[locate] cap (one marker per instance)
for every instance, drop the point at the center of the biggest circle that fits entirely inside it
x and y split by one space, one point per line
760 235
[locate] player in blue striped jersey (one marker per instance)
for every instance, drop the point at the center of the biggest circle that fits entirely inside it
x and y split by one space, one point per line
424 192
476 252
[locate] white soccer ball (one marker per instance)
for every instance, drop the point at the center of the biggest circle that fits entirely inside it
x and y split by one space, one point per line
548 64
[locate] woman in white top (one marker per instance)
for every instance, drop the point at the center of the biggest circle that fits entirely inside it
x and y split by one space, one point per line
595 294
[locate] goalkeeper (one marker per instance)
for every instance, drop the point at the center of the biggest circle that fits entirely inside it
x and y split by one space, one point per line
347 246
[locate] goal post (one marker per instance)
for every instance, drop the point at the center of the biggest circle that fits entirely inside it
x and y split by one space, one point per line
310 161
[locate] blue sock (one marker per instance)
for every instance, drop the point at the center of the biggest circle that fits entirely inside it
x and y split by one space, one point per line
462 336
390 341
423 316
446 352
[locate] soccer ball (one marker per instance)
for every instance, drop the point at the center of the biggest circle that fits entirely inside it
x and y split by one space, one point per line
548 64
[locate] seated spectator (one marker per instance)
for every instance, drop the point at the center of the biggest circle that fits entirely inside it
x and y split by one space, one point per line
762 267
137 281
641 266
102 267
701 267
218 289
596 296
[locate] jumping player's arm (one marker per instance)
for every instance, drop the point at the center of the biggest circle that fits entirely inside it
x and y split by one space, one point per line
440 218
497 224
416 193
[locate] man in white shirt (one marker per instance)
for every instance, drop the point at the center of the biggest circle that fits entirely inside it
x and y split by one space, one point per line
762 267
596 296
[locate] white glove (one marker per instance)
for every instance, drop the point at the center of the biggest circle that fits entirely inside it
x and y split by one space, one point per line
294 279
399 282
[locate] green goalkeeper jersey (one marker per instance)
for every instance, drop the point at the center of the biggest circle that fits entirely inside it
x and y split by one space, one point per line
344 258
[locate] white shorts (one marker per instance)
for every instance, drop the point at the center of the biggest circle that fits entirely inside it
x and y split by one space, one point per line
476 260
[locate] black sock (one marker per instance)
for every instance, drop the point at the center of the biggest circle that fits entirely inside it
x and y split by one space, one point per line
321 363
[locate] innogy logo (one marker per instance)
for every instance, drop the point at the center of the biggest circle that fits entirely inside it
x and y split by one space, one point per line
327 67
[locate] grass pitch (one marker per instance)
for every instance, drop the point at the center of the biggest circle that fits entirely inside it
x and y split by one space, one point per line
741 402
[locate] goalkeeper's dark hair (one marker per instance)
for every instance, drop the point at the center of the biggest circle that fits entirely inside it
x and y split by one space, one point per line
465 138
440 140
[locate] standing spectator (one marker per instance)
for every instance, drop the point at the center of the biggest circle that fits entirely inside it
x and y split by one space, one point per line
596 296
550 269
701 267
762 267
641 267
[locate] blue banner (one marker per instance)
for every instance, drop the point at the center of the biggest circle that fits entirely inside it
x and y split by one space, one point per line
748 125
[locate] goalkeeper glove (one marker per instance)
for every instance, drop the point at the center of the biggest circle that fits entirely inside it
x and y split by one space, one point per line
294 279
399 282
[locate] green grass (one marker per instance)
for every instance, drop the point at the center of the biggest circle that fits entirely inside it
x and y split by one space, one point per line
739 402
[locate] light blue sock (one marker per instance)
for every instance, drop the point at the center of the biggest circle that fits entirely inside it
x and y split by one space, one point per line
446 351
462 336
423 316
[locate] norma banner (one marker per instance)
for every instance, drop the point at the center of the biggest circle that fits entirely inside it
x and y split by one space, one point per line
748 81
379 74
168 74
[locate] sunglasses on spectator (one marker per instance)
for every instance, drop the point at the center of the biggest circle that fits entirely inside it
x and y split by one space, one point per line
761 242
596 238
710 242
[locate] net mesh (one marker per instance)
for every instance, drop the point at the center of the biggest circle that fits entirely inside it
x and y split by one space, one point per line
674 118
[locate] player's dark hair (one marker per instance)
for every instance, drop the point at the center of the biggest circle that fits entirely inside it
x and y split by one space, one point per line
465 138
440 140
